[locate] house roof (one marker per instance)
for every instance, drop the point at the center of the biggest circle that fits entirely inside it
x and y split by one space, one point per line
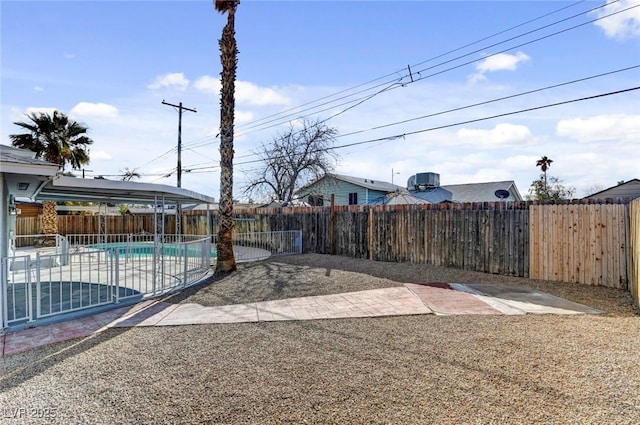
402 197
482 192
629 189
366 183
33 178
64 188
23 173
433 195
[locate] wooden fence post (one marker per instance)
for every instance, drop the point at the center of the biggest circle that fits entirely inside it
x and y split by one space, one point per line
332 226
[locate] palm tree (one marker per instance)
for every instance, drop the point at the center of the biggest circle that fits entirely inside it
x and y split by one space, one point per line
57 139
544 163
128 175
229 59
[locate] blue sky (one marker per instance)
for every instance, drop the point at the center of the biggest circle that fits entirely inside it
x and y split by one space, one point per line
109 64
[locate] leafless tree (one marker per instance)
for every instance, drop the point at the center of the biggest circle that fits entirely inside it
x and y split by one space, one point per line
293 159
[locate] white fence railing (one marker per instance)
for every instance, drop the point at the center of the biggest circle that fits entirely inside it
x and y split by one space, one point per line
43 285
84 271
259 245
93 239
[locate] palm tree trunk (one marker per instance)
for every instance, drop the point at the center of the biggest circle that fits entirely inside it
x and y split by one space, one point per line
49 220
229 58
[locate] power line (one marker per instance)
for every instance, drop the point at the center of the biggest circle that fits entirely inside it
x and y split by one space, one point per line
395 73
483 103
404 135
395 83
411 133
193 168
289 113
493 100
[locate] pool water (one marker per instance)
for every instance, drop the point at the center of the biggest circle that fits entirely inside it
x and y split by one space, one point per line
145 249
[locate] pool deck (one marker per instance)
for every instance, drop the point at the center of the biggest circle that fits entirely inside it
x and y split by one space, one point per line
434 298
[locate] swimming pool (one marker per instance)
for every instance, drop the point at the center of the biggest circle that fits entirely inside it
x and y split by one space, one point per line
145 249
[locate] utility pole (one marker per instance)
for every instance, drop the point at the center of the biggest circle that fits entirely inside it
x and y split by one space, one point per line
180 108
179 168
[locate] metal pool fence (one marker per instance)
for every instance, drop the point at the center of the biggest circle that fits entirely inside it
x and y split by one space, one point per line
86 271
259 245
39 286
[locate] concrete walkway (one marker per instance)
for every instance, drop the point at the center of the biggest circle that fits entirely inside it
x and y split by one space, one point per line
409 299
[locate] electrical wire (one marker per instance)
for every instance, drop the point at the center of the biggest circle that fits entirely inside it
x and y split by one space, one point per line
459 123
295 111
404 135
395 83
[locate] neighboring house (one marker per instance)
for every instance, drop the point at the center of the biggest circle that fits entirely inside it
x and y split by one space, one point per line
433 195
347 190
400 197
422 188
427 186
484 192
627 190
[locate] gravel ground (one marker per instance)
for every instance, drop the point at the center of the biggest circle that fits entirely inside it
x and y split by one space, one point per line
393 370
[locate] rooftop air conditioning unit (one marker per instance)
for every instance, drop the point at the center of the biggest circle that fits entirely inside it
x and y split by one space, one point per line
428 179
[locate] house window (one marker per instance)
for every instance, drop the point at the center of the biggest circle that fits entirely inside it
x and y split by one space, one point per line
353 198
316 200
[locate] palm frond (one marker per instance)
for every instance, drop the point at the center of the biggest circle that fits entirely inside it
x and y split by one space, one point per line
223 6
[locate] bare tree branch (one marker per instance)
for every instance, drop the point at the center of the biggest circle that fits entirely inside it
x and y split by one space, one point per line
293 159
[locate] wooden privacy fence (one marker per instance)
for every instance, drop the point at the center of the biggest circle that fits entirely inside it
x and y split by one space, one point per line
634 250
578 242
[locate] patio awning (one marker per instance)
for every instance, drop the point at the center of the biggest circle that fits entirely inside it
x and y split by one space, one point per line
64 188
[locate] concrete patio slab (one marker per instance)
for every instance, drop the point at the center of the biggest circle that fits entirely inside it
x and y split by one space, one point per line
410 299
514 299
445 300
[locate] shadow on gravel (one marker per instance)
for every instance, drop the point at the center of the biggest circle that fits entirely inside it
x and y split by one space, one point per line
18 368
273 279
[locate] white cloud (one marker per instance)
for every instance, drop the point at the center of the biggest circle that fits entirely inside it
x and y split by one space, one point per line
622 25
175 80
501 62
502 134
601 127
247 93
94 110
207 84
477 77
243 116
38 89
251 94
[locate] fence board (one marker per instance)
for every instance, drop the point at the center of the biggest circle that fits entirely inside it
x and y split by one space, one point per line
634 250
579 244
